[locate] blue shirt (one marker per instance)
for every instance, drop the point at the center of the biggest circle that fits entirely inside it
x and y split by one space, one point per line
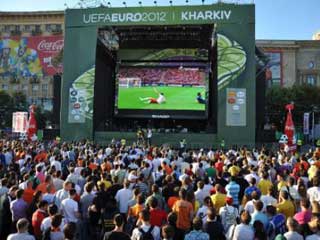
201 100
233 190
197 235
277 225
252 189
259 216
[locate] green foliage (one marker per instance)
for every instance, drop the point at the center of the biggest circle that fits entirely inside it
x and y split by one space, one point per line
42 117
305 98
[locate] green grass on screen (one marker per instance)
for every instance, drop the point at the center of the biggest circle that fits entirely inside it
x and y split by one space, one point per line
177 98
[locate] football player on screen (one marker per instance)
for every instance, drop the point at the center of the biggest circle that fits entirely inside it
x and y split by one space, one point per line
161 98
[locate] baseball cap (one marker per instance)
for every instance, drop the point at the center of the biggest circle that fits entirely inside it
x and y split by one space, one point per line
229 200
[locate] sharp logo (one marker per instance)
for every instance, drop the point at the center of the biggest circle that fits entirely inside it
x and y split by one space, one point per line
205 15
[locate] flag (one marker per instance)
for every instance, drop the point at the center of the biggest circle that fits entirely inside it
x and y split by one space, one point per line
32 124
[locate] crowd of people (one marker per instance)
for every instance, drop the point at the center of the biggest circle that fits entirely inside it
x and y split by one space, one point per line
82 190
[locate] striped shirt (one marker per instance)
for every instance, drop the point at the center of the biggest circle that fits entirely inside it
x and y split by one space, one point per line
233 190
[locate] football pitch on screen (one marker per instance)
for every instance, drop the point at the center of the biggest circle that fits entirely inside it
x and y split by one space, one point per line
177 98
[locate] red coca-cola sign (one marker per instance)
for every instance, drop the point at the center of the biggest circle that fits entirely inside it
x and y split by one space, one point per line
47 47
50 46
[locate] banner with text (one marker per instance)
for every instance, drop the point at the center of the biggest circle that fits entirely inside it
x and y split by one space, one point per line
159 15
306 126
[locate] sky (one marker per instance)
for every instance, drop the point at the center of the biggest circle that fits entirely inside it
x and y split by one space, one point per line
275 19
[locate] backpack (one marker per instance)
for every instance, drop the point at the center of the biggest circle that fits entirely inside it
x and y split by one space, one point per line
231 218
146 235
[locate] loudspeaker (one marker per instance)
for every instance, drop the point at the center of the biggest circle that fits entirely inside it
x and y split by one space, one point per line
56 98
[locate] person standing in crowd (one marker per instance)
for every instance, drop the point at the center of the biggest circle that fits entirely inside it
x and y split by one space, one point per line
122 197
285 206
145 230
213 226
18 207
22 228
242 231
233 190
228 214
184 211
292 233
197 233
38 216
5 212
70 207
117 233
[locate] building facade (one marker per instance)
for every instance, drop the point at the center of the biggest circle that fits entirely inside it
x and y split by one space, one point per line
30 47
291 62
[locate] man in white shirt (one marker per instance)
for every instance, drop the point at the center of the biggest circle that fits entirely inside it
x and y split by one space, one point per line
145 227
268 200
57 164
161 99
200 194
123 196
62 194
70 207
314 192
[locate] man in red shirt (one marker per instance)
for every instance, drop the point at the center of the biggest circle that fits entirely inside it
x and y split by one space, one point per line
38 217
157 216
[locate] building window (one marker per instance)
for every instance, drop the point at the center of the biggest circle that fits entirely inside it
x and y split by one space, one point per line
274 68
27 28
58 27
38 28
7 28
48 27
35 88
17 28
45 90
311 79
5 87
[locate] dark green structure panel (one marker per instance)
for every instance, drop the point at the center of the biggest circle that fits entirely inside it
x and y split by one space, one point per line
236 63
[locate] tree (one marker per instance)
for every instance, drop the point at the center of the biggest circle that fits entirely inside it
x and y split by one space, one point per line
6 109
10 104
305 98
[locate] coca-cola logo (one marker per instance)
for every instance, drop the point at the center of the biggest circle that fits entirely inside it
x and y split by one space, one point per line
50 46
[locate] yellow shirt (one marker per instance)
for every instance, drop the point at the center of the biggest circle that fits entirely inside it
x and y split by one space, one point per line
286 208
106 183
218 200
312 171
234 170
264 186
281 184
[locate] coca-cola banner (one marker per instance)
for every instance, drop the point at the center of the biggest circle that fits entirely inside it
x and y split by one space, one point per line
34 56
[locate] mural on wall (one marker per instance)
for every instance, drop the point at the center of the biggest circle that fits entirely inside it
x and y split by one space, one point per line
232 60
30 57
